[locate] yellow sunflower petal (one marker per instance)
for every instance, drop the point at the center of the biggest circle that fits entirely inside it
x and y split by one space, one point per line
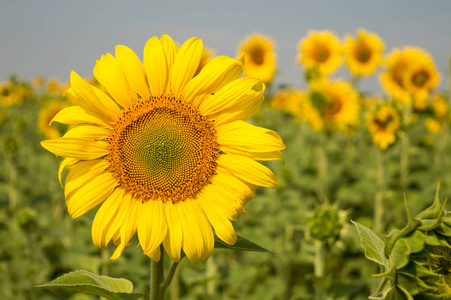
155 66
170 51
133 70
152 226
205 230
227 179
173 240
91 194
77 115
105 217
185 64
110 74
224 200
228 96
123 212
260 156
104 98
246 137
128 229
64 164
83 91
248 170
87 132
217 73
82 173
76 148
223 227
242 108
155 254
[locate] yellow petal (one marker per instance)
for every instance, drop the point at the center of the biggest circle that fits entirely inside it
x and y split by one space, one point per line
76 148
109 103
110 74
170 51
128 229
77 115
155 254
185 64
105 217
91 194
87 132
133 70
125 204
227 179
243 136
261 156
82 173
173 240
223 227
67 162
248 170
228 96
243 109
155 66
151 225
217 73
88 97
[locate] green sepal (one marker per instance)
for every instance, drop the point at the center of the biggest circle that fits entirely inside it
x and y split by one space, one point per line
104 286
444 229
434 223
383 289
415 240
400 253
433 211
241 244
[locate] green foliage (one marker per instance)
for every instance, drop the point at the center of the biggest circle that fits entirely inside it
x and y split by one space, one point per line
241 244
104 286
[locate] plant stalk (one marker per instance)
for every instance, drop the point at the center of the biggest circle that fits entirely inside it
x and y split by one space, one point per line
157 277
379 208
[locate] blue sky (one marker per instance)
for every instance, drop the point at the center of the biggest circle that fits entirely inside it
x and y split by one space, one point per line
51 37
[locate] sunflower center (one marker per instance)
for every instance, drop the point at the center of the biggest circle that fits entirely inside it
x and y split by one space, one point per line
321 54
420 78
163 149
363 54
383 121
257 55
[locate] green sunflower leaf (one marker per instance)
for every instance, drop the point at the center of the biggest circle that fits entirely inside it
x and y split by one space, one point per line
400 253
372 244
241 244
104 286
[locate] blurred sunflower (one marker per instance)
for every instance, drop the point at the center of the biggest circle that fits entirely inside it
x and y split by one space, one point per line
420 77
383 125
333 105
12 93
259 56
290 100
45 116
395 79
320 50
440 106
206 57
169 163
363 53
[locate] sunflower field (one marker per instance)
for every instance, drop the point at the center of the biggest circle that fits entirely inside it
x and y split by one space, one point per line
352 186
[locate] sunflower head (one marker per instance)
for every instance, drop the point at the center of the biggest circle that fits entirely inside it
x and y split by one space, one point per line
13 93
363 53
419 256
439 106
334 105
383 124
408 72
260 57
292 101
320 50
167 152
326 223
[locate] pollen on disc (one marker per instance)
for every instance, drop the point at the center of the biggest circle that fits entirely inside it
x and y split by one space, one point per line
162 149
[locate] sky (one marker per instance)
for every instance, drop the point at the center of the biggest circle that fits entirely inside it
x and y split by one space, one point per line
53 37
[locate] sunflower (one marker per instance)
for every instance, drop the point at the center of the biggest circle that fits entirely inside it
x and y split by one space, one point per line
13 94
440 106
206 57
363 53
260 57
395 79
332 105
320 50
420 77
290 100
383 124
45 116
168 163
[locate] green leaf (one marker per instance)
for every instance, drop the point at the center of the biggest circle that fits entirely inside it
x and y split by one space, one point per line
415 241
400 254
372 244
104 286
241 244
434 210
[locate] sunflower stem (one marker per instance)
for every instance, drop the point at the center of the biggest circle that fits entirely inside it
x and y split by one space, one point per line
405 148
379 199
320 268
169 278
157 277
322 170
